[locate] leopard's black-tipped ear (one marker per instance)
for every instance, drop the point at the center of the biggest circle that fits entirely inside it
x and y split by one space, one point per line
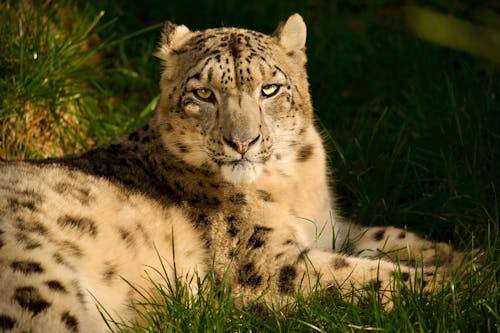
173 37
291 34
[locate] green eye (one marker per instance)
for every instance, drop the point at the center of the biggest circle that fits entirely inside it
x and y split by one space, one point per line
270 90
204 94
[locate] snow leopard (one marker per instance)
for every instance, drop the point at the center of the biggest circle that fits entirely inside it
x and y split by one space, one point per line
228 178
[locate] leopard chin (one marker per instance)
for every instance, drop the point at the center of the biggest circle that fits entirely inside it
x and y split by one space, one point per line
242 172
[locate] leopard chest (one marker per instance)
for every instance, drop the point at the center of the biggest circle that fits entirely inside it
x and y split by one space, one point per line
241 221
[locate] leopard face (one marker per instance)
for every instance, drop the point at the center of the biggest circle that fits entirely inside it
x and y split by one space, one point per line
232 99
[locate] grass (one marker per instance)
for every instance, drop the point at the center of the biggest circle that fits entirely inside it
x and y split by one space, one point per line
413 131
467 305
56 78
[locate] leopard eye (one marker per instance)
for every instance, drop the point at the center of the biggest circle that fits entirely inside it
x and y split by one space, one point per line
204 94
270 90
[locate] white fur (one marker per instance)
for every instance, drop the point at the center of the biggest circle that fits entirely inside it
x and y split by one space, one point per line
243 172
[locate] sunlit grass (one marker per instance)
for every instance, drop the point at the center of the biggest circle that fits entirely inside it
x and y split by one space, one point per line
45 79
55 79
469 303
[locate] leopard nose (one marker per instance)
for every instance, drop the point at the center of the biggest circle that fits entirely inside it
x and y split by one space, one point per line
241 146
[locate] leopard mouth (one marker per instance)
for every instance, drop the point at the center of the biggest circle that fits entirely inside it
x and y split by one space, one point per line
241 171
240 166
240 161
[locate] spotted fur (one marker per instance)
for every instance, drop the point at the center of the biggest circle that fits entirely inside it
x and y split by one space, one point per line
229 174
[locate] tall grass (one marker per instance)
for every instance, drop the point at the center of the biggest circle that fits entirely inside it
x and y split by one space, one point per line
413 131
468 304
45 79
56 73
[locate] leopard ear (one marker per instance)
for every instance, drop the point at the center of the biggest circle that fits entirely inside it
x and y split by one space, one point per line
291 34
172 38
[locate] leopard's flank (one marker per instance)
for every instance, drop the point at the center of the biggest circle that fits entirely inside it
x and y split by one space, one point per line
229 177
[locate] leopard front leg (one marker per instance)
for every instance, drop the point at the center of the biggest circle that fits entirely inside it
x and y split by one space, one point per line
281 268
398 244
347 274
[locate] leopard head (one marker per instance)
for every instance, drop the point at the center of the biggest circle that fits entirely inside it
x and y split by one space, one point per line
233 99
